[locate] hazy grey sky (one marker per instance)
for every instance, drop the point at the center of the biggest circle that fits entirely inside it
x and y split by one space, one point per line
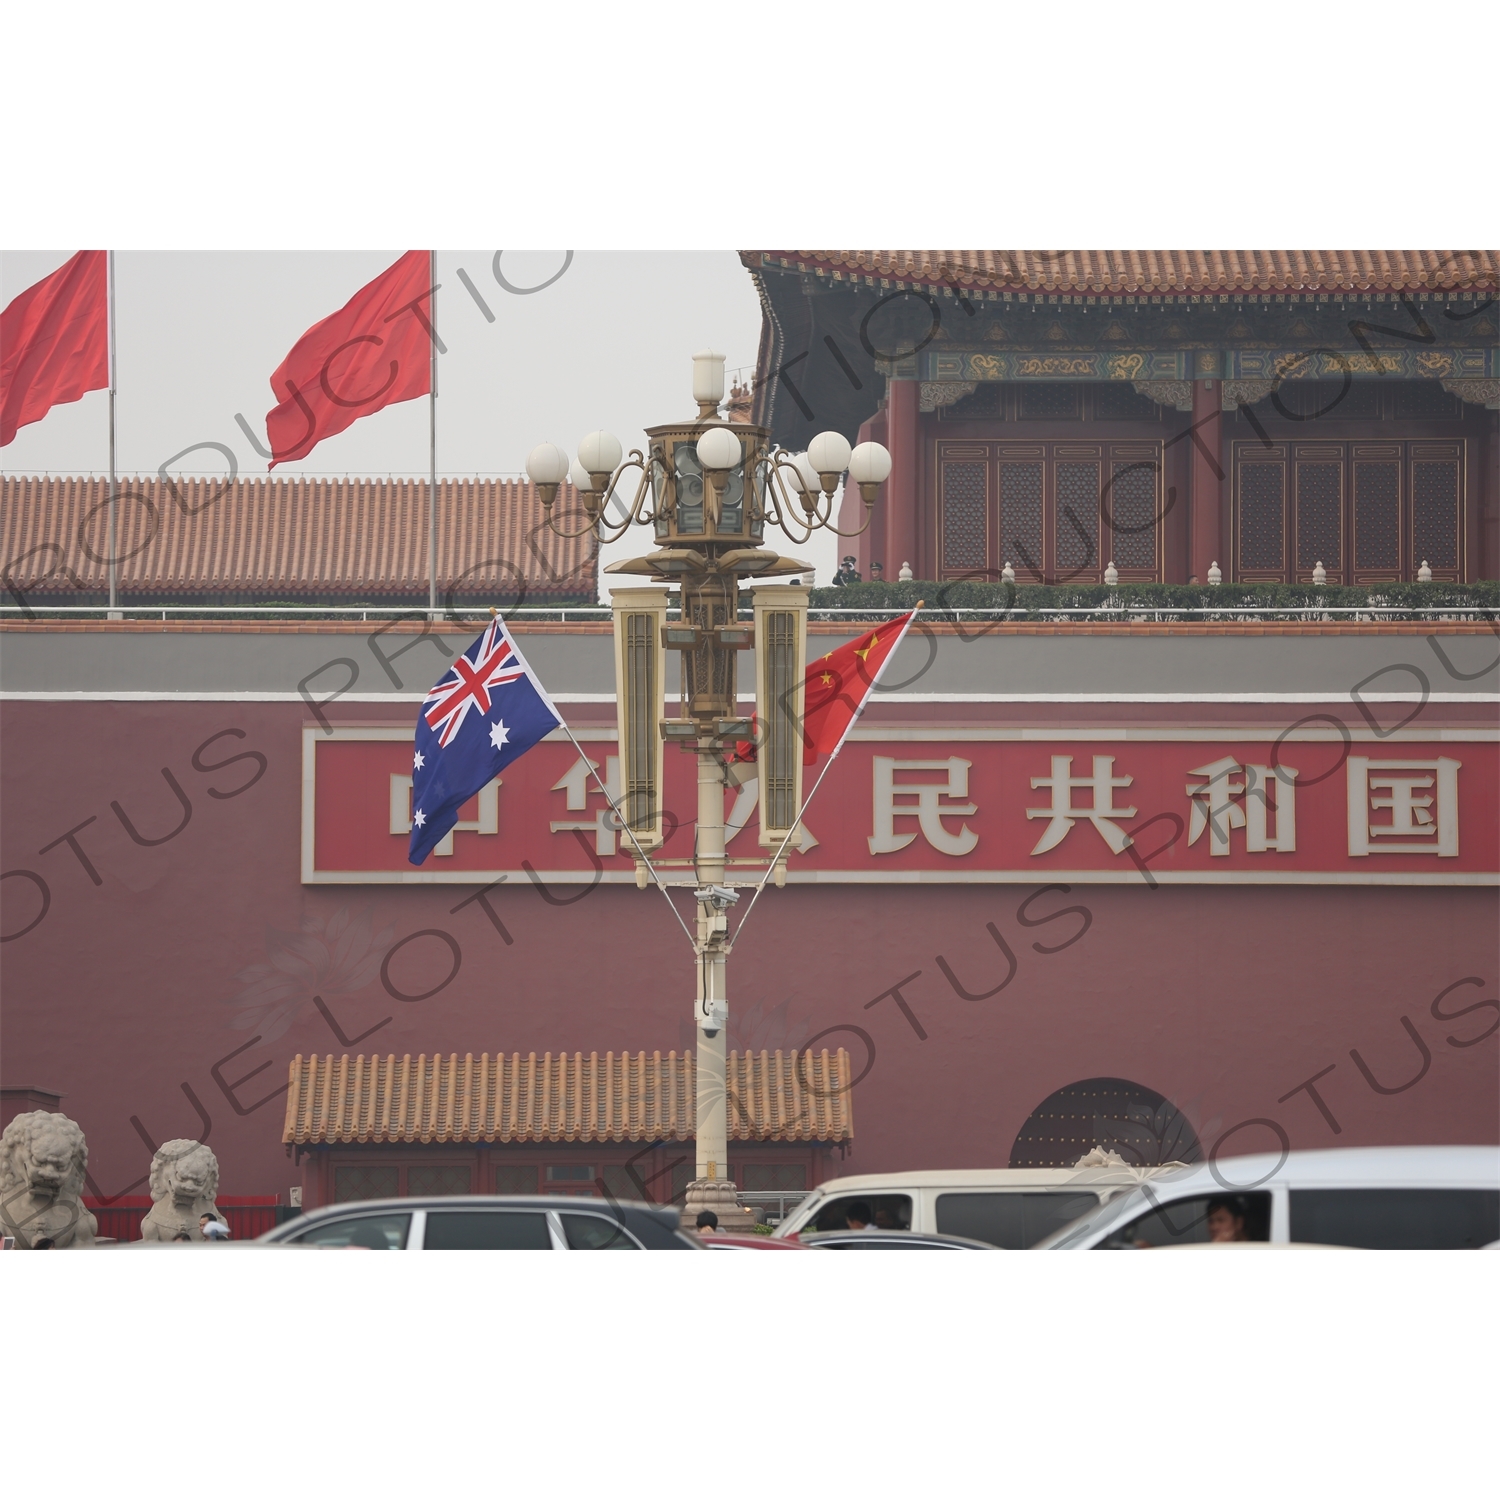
608 344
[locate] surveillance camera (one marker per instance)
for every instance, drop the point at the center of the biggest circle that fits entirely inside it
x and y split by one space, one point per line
720 897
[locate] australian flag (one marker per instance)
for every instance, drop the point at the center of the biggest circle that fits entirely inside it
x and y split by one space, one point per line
486 710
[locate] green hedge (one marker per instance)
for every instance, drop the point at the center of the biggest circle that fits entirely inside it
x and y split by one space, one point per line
1029 600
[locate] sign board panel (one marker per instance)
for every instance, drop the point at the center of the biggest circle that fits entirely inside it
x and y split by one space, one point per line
939 805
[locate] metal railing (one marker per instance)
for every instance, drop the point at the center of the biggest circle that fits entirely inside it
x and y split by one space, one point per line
776 1205
578 613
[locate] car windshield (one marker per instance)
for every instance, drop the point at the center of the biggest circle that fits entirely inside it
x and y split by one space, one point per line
1105 1215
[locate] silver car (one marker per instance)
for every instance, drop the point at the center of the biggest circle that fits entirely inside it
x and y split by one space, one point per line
485 1223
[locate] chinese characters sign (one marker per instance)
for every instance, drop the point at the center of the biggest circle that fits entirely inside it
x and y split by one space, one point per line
910 806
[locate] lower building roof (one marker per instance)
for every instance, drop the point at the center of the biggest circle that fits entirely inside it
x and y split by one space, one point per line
289 538
773 1096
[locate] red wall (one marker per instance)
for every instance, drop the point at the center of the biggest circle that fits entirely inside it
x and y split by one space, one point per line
1225 999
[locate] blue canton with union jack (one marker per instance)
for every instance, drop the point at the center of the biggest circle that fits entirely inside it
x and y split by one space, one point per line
486 710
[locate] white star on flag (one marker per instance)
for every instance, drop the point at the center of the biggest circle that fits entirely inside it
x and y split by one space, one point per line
499 734
417 762
419 818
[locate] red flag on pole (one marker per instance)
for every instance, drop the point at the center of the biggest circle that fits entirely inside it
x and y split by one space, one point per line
836 687
54 342
374 351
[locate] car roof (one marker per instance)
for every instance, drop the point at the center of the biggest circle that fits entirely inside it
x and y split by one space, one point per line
553 1202
996 1177
748 1242
907 1236
1349 1166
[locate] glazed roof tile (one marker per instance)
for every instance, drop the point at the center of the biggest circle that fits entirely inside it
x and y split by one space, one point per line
289 536
1150 272
785 1096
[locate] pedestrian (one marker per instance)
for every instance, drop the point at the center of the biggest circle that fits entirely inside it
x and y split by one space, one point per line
183 1236
708 1222
211 1228
846 574
877 572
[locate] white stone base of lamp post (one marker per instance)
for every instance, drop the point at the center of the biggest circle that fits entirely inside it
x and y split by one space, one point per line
717 1194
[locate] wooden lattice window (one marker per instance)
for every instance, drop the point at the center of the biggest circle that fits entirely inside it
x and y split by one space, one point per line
1320 503
1262 517
1369 512
618 1183
353 1184
965 503
1021 518
1077 522
1377 515
1047 401
986 404
1435 491
1426 400
1130 513
435 1180
515 1177
1119 401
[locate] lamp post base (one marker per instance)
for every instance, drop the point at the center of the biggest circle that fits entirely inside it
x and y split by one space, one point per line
716 1194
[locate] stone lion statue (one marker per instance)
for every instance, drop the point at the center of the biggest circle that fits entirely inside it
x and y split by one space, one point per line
42 1162
184 1184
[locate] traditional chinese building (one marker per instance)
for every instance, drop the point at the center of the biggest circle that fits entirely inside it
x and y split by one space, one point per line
1266 412
1176 889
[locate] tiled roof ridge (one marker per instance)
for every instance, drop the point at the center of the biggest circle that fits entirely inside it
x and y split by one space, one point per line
560 1097
294 533
1151 272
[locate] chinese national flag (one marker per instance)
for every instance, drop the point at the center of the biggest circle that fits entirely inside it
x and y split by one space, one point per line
54 342
374 351
836 687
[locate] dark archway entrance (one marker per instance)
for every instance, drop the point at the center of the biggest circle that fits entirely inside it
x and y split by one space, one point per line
1138 1123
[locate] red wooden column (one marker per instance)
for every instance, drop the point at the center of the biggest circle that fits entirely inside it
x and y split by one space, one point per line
1206 482
869 545
901 487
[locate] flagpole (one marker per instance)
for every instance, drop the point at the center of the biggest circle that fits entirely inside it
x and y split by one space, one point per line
114 597
807 801
432 444
615 809
620 818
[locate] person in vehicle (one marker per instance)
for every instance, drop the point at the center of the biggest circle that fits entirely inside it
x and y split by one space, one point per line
886 1217
708 1222
1226 1221
857 1215
368 1237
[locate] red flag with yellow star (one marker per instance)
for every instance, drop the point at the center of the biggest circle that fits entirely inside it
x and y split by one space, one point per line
836 687
838 684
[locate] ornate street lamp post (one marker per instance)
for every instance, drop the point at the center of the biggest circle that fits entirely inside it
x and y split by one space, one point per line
709 488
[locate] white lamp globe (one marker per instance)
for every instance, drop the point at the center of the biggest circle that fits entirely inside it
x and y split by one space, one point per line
600 453
869 464
829 453
547 464
719 449
804 476
579 477
708 377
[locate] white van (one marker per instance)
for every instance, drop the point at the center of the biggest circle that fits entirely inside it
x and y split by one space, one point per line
1372 1198
1009 1207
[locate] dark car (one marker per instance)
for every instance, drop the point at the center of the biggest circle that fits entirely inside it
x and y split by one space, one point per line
482 1223
889 1239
